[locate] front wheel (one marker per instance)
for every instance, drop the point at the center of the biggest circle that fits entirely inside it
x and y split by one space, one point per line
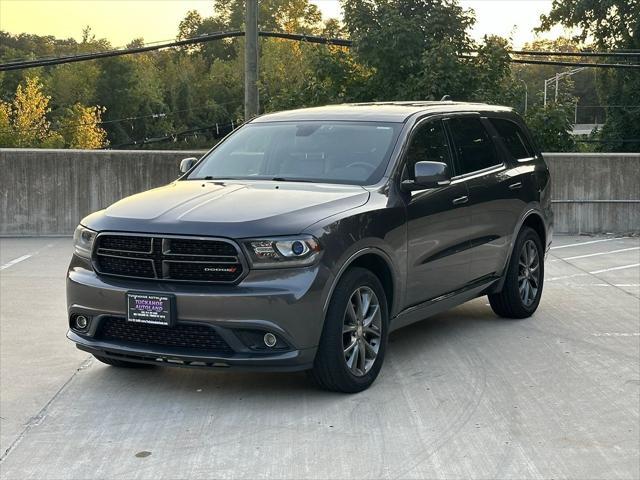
354 337
522 289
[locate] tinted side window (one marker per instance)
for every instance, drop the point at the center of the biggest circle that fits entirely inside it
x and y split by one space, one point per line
513 138
428 144
472 145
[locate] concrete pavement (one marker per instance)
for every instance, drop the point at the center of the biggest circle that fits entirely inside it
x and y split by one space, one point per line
462 395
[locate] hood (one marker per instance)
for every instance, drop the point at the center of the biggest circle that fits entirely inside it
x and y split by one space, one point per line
228 209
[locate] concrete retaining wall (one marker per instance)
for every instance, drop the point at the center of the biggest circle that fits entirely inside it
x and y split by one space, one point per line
46 192
595 192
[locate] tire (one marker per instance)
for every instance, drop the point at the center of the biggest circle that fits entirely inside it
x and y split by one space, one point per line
512 301
337 368
121 363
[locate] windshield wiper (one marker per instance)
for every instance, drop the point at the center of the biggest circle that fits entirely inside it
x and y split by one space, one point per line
283 179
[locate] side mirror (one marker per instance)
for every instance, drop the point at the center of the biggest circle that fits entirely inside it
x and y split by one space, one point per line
187 163
428 175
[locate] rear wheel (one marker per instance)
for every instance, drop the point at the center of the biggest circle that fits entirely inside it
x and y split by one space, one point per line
354 337
522 289
121 363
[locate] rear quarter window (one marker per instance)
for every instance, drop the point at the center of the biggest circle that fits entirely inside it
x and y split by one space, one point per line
514 138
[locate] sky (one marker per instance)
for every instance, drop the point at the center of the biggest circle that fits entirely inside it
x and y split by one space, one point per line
120 21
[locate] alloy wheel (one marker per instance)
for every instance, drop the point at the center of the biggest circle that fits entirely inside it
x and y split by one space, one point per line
529 273
361 331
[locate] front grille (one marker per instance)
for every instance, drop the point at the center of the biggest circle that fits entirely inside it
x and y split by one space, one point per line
168 258
192 337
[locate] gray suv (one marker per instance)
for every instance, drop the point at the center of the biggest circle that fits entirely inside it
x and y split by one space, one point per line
305 237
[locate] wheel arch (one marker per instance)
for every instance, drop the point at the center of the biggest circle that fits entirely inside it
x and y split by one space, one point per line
379 263
534 219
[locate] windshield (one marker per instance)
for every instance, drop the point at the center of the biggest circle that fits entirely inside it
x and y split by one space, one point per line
324 152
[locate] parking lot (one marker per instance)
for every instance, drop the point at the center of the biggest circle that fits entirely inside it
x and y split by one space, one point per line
462 395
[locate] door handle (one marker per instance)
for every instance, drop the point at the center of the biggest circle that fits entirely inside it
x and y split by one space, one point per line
460 200
515 186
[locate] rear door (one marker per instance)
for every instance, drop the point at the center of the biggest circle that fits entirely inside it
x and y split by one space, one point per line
437 221
493 192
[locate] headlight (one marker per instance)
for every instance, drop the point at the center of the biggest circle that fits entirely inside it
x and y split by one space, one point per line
83 241
283 252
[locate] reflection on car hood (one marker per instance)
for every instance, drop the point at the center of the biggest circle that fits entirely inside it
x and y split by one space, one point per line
228 208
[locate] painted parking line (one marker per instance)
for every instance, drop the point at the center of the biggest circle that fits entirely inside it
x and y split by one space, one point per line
623 267
588 243
595 272
610 252
616 334
11 263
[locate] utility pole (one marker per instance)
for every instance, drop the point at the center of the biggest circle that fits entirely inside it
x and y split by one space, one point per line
251 59
526 96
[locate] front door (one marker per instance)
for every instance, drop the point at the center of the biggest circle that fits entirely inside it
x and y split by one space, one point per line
437 221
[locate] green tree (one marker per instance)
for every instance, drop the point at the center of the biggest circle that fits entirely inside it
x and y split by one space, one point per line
299 16
412 46
80 127
610 24
550 127
131 90
24 121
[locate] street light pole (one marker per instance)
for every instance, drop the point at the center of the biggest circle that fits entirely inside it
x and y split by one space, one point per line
251 59
557 77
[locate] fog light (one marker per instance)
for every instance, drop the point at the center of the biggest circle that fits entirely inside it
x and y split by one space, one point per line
82 322
270 340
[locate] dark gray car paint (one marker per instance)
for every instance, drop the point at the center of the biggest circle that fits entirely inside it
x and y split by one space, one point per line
439 255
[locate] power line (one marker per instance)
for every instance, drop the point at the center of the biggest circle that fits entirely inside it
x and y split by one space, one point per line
566 64
52 57
148 48
288 36
576 64
119 52
543 53
220 128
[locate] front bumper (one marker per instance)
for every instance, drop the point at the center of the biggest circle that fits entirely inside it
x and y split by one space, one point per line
292 360
286 302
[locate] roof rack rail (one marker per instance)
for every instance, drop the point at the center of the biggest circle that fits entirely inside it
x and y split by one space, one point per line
446 98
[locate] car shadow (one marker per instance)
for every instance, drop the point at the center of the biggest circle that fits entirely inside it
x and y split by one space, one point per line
422 338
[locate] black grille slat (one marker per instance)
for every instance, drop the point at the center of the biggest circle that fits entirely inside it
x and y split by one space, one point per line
128 267
126 243
183 336
178 246
173 259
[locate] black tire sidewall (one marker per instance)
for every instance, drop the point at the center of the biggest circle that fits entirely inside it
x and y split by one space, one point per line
331 342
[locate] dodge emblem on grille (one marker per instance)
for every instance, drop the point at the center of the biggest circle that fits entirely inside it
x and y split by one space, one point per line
221 269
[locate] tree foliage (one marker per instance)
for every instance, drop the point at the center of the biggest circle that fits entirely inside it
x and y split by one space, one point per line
610 25
24 122
80 127
403 50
